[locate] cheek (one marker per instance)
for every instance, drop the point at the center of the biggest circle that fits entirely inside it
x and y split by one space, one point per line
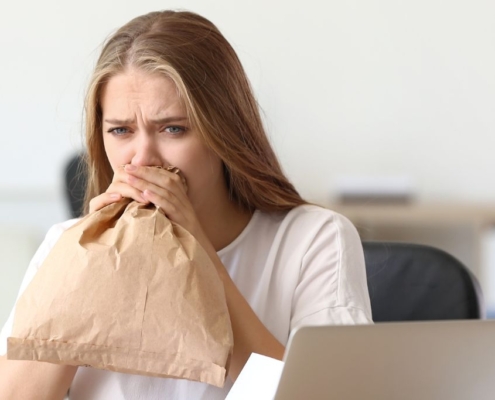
116 154
203 170
110 152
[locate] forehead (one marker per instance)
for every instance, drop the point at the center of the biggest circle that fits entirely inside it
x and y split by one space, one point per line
152 93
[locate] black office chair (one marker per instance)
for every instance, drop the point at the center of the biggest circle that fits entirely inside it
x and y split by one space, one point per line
412 282
75 178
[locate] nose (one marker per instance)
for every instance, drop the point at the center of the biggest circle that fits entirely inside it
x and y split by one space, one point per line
146 152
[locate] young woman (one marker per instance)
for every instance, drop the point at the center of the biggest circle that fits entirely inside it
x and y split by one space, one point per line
169 90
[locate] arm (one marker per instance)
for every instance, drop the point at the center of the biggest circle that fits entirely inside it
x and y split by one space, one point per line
26 380
250 335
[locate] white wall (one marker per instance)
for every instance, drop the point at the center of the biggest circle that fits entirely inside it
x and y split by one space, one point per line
383 87
348 87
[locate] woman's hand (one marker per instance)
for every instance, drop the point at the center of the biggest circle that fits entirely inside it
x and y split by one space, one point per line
165 189
118 189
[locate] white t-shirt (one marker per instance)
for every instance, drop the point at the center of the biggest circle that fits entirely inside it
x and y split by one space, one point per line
304 267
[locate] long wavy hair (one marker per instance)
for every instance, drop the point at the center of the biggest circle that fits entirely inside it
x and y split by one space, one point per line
209 77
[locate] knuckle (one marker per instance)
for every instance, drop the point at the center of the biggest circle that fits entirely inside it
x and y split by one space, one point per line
171 180
175 177
119 175
93 204
138 195
116 176
172 209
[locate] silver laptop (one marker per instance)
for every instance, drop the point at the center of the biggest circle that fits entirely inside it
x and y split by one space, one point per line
452 360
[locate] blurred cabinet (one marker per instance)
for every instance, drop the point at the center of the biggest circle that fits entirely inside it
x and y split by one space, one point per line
458 228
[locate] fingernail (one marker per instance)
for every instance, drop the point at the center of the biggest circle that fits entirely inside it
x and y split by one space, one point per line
130 167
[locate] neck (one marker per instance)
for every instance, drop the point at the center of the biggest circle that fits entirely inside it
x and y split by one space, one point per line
223 222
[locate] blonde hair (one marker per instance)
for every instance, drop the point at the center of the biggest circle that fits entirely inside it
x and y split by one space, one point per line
191 51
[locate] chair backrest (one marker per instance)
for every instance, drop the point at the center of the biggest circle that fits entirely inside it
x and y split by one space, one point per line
75 178
412 282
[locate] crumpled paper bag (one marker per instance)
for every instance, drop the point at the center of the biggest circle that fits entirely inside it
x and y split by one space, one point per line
126 289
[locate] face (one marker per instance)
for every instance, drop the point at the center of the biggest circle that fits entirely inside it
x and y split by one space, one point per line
145 123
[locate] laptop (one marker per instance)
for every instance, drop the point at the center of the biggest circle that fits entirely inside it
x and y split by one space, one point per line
448 360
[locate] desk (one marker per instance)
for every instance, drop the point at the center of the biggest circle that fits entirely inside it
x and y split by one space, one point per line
457 228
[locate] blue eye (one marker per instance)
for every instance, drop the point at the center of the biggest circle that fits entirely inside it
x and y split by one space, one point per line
175 130
119 131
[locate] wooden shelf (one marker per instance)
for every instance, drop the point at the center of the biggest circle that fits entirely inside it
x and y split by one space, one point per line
482 215
457 228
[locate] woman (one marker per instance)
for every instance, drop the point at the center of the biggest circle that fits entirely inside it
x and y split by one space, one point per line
168 89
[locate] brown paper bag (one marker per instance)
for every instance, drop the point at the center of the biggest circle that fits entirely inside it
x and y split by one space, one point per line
127 290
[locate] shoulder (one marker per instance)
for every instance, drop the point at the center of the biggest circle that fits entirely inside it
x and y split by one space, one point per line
311 220
51 237
311 211
331 282
310 232
61 227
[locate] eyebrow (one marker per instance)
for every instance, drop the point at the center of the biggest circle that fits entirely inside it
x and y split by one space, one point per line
158 121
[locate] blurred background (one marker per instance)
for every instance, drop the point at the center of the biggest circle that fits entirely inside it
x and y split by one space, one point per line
383 110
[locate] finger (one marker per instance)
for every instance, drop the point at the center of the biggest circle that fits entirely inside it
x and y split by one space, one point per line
180 213
164 198
126 190
177 209
159 177
166 192
104 199
170 205
120 175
